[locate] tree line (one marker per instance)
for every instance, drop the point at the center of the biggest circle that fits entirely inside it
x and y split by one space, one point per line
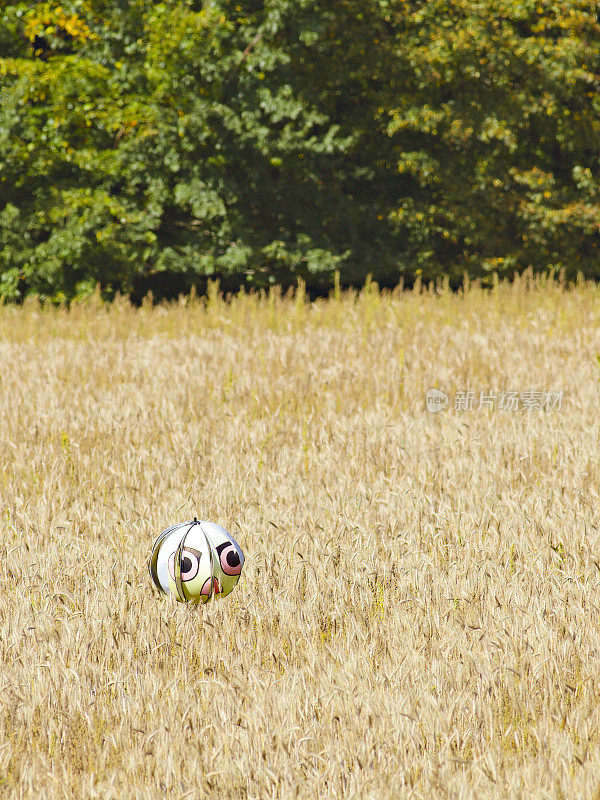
156 146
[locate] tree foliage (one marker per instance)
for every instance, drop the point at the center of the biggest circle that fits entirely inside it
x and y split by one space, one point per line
148 144
498 135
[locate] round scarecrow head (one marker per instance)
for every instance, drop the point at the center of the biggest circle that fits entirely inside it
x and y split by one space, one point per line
196 561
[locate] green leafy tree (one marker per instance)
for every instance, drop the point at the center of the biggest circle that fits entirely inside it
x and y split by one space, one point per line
156 145
497 129
181 138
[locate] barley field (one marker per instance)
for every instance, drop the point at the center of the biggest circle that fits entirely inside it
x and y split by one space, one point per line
419 612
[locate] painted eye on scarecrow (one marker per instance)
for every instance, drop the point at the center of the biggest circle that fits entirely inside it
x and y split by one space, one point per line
190 564
231 563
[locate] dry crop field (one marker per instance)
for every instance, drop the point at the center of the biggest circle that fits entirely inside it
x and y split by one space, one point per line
419 613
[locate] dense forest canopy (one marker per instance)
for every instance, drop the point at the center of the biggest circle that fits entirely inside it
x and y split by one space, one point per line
150 145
